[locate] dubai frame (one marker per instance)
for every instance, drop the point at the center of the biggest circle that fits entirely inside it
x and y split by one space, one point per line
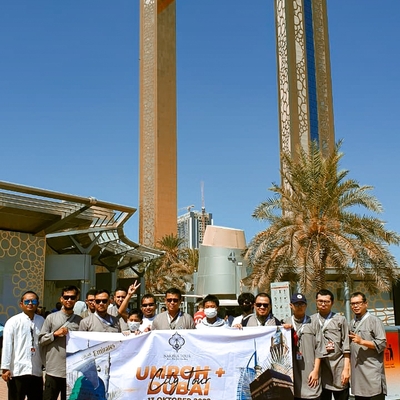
304 97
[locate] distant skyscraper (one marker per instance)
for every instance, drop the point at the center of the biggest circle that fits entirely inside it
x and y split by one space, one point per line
192 226
304 74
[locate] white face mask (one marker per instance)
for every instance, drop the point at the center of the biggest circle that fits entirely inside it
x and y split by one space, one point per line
210 312
133 326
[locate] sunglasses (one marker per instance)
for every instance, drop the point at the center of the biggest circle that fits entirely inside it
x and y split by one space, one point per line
148 305
104 301
33 302
262 305
247 303
69 297
173 300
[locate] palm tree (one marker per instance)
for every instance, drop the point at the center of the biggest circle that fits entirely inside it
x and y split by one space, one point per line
314 226
174 269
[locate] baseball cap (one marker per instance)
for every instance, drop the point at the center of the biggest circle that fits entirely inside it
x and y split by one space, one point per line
298 298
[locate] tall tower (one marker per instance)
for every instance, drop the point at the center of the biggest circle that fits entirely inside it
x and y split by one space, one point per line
304 75
157 121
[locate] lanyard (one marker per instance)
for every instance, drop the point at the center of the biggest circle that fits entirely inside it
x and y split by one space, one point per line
300 330
104 320
326 322
357 324
175 319
269 317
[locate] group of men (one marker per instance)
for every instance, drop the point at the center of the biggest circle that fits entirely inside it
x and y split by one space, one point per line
327 351
330 354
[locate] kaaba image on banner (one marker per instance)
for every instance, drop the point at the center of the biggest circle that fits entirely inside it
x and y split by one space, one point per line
272 385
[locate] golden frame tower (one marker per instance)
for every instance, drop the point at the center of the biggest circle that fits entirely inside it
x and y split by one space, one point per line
304 92
157 121
304 75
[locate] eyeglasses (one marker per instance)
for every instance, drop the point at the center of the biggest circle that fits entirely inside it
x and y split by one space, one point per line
299 304
323 301
32 301
69 297
246 302
148 305
357 304
173 300
262 305
104 301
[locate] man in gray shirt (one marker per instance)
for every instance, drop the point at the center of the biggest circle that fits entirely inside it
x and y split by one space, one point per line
52 340
263 312
367 345
100 320
306 364
332 337
173 318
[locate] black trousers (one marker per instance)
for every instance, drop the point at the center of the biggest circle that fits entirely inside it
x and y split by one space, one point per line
377 397
337 394
53 386
26 385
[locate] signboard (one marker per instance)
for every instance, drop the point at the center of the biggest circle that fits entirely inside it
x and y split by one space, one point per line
280 294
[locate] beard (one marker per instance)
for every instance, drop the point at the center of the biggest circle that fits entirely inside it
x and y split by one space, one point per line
247 308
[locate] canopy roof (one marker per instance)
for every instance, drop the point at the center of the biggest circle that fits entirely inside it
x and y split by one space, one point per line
73 224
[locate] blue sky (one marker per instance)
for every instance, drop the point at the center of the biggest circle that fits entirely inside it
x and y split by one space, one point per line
69 101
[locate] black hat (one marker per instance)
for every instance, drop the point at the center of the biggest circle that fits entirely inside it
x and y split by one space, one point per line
298 298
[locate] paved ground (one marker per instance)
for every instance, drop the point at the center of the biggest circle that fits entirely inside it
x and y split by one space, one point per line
3 390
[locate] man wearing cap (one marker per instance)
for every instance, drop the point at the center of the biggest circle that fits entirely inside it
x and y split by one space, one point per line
307 382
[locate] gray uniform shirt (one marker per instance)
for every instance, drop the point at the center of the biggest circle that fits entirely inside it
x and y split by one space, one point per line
335 328
182 321
54 348
113 310
367 365
304 355
94 323
271 321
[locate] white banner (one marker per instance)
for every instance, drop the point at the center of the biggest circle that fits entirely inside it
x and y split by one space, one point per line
211 364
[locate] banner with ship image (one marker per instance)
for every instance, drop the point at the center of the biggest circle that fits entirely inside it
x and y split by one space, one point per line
214 364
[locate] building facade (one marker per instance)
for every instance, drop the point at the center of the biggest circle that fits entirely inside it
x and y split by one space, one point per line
192 226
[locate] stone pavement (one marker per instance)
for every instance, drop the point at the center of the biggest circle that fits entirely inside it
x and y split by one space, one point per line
3 390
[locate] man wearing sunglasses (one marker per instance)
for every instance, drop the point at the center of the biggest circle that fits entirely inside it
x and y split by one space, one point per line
100 320
53 341
263 312
246 303
148 307
173 318
21 362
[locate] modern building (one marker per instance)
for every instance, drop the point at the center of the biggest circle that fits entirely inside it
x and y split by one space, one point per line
192 226
221 264
50 239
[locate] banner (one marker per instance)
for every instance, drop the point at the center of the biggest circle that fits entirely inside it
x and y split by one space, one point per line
209 364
